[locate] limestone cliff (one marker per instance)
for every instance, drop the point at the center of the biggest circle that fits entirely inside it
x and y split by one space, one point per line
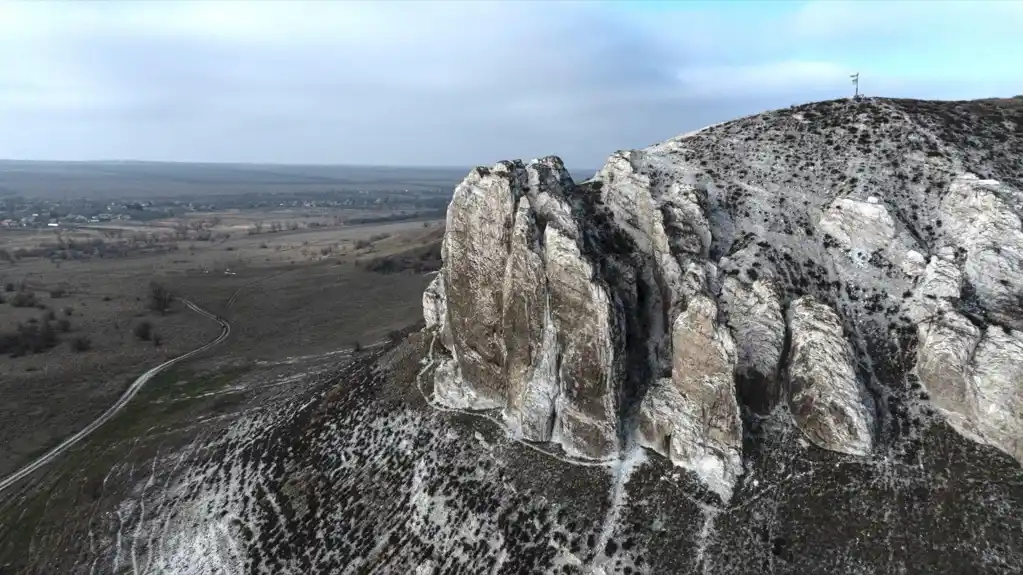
840 264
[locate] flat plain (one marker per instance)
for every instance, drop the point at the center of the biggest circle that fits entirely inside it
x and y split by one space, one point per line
294 278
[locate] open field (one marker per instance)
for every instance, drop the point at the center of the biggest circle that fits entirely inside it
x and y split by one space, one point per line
288 293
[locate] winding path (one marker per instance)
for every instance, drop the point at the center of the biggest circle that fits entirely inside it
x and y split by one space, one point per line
133 389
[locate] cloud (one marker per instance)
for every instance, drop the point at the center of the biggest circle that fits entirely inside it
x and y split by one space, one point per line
451 83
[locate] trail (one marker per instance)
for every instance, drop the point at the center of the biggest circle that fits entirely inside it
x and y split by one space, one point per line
133 389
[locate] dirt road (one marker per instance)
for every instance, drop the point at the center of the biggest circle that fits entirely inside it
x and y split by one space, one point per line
225 330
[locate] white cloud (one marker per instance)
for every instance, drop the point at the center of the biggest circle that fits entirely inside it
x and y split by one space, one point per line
776 78
416 82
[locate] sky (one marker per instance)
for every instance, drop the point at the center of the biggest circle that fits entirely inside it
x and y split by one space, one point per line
461 83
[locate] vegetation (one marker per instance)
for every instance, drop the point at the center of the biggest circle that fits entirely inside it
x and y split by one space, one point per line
24 299
160 297
144 331
419 260
81 343
31 337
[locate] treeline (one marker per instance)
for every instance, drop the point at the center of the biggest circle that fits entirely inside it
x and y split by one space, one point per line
417 260
438 213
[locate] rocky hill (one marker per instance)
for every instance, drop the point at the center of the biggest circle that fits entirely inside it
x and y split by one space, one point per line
786 344
852 265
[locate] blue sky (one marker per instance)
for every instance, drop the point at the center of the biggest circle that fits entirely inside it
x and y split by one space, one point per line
461 83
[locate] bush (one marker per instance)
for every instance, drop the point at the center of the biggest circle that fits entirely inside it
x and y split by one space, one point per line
9 286
81 343
160 297
144 331
58 293
68 311
31 337
24 299
50 315
64 325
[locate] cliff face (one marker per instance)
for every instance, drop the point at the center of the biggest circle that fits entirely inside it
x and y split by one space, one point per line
845 264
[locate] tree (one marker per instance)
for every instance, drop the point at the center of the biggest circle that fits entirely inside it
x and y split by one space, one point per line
160 297
144 331
81 344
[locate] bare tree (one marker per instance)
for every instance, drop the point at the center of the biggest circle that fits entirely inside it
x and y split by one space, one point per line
160 297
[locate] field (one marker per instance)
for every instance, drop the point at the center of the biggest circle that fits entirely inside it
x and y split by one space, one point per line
293 282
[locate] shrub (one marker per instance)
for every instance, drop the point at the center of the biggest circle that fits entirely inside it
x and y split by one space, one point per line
81 343
24 299
31 337
144 331
160 297
68 311
50 315
9 286
64 325
58 293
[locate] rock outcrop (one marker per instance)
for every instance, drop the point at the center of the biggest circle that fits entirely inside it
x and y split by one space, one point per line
804 263
828 402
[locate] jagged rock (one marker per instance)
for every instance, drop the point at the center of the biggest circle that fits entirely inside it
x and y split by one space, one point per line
532 384
998 381
562 302
434 306
828 403
590 365
944 356
475 254
693 418
755 317
977 216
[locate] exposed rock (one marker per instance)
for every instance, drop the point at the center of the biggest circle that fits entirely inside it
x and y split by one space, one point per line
828 403
997 377
434 306
475 252
532 385
755 317
693 418
977 216
861 226
948 342
583 310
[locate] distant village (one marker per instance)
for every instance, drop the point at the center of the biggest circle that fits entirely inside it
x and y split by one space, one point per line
37 213
42 213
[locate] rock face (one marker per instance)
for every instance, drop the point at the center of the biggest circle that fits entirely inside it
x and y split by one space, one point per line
810 263
828 402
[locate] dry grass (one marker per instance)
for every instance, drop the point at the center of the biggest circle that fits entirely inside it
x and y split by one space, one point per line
303 293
